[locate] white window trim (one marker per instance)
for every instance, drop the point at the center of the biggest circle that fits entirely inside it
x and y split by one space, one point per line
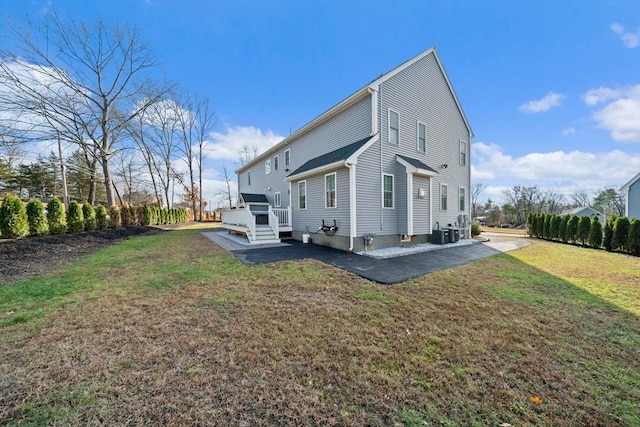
267 166
463 143
276 163
447 192
306 203
389 126
335 181
287 157
418 137
393 191
277 199
465 199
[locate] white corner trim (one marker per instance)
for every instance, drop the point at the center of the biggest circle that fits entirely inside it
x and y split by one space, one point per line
430 205
353 230
409 204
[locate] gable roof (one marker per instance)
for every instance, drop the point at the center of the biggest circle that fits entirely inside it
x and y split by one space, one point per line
357 96
254 198
416 166
336 157
630 183
582 209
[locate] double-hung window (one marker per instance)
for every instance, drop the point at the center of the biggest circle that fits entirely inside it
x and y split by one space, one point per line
387 191
422 138
394 127
267 167
461 196
330 190
277 199
463 153
302 195
443 197
287 158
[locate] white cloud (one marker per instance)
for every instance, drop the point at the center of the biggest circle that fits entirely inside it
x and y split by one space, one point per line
549 101
227 145
569 131
559 169
629 40
621 114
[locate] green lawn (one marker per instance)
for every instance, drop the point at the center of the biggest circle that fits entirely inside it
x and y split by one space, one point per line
170 329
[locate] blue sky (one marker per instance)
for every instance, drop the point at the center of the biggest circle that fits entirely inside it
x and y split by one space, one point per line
550 88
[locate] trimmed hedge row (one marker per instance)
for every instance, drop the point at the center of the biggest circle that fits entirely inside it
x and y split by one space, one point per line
618 234
18 221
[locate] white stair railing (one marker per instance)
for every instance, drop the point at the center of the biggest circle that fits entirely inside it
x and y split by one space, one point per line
274 222
283 215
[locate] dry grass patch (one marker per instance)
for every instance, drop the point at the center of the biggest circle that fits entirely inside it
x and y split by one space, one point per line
175 331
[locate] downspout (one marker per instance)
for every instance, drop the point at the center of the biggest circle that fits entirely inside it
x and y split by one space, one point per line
381 156
352 204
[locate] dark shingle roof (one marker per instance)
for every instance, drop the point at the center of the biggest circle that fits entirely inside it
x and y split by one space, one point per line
334 156
416 163
254 198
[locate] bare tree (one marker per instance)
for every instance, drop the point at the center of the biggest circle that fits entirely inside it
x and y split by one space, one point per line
91 87
226 190
524 200
580 199
196 121
247 154
476 191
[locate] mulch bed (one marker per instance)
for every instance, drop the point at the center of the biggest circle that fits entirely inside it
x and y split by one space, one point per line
35 256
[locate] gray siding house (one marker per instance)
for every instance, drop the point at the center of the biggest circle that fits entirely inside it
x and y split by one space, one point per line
631 192
586 210
384 167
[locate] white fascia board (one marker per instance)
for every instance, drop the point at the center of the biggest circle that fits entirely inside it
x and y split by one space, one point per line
353 159
318 170
625 187
336 109
414 170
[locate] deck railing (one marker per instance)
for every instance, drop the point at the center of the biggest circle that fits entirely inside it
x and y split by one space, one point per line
284 215
274 222
241 218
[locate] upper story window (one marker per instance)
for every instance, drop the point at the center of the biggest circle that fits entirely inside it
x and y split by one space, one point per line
276 163
287 157
330 190
394 126
422 138
267 167
248 177
463 153
462 202
387 191
277 199
302 195
443 197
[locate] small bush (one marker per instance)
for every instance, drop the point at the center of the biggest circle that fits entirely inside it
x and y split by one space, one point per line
563 228
89 216
133 215
102 221
125 217
595 235
56 217
584 227
37 219
555 227
475 229
75 218
634 237
142 219
607 241
621 233
114 217
572 229
13 218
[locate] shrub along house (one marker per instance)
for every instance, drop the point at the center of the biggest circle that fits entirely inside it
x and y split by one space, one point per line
385 167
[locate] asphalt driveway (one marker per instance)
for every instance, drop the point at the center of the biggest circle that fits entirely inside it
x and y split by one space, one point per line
386 271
